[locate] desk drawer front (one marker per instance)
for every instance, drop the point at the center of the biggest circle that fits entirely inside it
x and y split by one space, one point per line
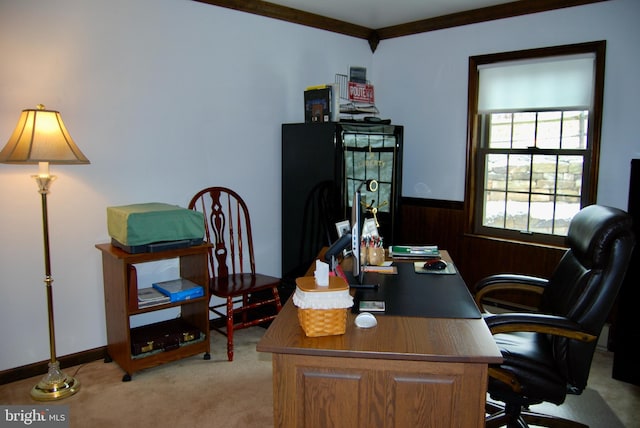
348 392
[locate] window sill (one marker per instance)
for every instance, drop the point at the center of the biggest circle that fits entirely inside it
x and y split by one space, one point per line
514 241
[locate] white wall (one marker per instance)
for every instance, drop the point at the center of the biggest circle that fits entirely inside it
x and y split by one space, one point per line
168 96
164 97
421 82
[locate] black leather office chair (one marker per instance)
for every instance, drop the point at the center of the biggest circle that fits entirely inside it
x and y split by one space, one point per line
548 354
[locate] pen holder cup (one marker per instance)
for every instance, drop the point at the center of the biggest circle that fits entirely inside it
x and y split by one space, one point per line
363 255
375 256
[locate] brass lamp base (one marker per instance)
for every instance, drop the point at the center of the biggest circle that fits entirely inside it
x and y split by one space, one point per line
55 385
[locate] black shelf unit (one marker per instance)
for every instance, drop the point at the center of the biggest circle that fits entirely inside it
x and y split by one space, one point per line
322 166
626 333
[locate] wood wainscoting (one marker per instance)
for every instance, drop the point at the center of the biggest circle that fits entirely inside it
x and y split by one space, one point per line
442 223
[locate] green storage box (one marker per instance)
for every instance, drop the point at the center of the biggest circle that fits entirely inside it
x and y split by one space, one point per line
154 226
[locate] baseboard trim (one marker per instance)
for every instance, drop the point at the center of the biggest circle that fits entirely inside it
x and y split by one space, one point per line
40 368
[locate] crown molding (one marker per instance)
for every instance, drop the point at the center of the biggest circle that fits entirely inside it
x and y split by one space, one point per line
374 36
491 13
296 16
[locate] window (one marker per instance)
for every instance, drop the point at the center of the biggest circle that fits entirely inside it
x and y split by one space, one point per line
534 122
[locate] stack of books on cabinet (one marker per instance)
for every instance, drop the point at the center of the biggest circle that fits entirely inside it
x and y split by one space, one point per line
176 290
151 297
179 289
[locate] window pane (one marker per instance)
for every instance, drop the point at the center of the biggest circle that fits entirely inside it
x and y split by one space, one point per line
543 174
574 129
541 218
566 208
517 216
570 170
496 172
500 131
519 173
493 215
548 135
524 130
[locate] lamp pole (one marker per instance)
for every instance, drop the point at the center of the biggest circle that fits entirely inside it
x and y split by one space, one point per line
56 384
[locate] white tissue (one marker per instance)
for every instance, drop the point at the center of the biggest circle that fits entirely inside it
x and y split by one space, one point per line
322 273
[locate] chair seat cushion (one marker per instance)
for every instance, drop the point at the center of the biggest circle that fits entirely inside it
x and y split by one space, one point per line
529 357
238 284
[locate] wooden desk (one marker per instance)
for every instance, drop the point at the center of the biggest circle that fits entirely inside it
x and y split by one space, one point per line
405 372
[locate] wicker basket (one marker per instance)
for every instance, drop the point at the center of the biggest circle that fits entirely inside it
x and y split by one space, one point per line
320 317
323 322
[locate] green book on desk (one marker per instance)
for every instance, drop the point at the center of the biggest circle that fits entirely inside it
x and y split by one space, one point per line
414 251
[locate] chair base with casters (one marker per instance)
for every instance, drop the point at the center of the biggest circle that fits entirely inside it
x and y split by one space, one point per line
515 416
238 310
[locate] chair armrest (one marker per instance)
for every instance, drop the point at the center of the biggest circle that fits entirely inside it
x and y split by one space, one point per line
507 282
540 323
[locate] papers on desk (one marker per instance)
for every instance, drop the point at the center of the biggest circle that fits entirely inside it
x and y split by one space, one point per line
449 270
386 268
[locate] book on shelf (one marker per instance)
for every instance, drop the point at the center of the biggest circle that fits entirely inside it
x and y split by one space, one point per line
179 289
322 103
151 297
414 251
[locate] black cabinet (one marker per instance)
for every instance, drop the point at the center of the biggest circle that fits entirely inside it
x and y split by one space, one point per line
626 327
322 166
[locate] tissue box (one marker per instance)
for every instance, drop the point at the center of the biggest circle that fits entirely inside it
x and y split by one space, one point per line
154 226
322 310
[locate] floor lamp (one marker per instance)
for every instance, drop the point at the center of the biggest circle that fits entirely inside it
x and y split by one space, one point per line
41 137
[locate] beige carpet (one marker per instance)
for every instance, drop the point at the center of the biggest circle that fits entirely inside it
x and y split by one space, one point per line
588 408
215 393
187 393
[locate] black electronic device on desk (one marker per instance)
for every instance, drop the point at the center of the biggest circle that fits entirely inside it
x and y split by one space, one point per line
355 238
331 257
435 264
